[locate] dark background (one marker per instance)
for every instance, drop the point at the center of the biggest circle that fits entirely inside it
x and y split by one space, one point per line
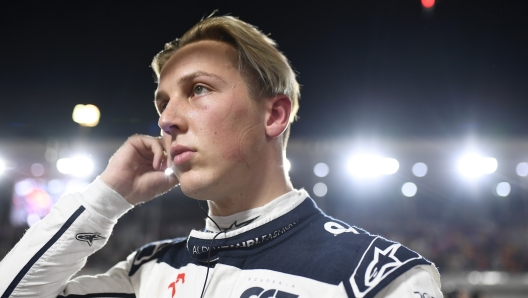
419 83
388 68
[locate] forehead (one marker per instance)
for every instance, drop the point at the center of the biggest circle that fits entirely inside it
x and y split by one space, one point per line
205 55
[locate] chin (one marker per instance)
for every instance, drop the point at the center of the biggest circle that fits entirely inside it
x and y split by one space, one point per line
198 189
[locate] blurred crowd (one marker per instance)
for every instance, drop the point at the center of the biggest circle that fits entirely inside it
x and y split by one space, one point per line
452 247
456 248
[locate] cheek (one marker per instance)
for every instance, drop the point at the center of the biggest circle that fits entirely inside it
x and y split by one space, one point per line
239 140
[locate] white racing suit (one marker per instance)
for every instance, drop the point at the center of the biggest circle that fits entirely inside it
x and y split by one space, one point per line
286 249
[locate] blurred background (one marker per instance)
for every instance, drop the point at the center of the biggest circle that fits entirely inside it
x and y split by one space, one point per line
412 122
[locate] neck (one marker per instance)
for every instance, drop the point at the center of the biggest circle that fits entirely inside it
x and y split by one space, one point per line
263 187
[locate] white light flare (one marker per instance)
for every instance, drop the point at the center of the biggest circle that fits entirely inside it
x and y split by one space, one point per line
321 169
80 166
37 169
320 189
287 165
86 115
474 165
2 166
169 171
522 169
409 189
369 166
503 189
419 169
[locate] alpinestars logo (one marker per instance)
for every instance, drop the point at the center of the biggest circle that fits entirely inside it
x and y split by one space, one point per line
261 293
378 262
89 237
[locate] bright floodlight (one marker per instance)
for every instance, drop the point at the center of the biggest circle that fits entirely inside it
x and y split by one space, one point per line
80 166
169 171
503 189
86 115
321 169
409 189
287 165
419 169
2 166
474 165
320 189
367 166
522 169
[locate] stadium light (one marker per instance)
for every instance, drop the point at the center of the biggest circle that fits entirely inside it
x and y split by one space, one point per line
409 189
419 169
503 189
320 189
37 169
474 165
2 166
80 166
369 166
86 115
321 169
522 169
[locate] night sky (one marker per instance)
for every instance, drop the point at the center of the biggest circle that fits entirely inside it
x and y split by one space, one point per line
383 68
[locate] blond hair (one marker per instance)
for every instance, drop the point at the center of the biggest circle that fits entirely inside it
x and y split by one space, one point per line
267 71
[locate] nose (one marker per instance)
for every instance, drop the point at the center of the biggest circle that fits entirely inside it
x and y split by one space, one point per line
171 120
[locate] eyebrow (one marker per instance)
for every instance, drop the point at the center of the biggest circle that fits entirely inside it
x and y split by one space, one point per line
196 74
191 76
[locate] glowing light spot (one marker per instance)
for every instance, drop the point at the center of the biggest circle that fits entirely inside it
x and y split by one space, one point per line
80 166
37 169
522 169
287 165
24 187
474 165
503 189
368 166
475 277
86 115
169 171
419 169
56 186
409 189
428 3
321 169
320 189
32 219
2 166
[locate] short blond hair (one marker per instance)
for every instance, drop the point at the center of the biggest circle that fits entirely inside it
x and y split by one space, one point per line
267 71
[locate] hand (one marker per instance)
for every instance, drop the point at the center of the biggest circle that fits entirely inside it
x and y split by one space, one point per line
137 170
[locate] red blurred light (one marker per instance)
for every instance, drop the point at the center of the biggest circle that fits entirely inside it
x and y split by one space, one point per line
428 3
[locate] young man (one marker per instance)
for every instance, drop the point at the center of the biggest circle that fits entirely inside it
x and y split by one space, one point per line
226 97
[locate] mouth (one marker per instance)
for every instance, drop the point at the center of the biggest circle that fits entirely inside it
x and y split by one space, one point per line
181 154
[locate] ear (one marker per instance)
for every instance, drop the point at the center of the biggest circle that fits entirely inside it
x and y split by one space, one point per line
278 111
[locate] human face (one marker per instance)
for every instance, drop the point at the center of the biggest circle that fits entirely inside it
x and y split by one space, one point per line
212 129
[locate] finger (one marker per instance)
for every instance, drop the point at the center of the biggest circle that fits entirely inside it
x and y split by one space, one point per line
159 153
164 162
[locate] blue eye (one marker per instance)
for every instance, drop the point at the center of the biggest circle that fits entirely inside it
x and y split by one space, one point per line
200 90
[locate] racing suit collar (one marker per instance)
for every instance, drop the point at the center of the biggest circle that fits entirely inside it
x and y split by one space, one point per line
266 231
259 215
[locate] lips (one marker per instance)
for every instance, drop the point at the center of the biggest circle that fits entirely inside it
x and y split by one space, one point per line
181 154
